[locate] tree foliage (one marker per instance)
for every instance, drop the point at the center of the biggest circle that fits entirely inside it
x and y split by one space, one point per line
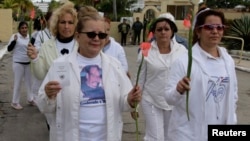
12 4
53 5
226 3
239 28
106 6
122 7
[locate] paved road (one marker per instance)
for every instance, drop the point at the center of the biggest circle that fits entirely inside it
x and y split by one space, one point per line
28 124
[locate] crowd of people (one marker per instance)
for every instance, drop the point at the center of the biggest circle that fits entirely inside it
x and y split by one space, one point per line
82 84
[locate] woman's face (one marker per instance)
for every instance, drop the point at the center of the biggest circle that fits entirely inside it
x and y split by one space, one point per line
66 27
90 45
23 30
163 32
211 32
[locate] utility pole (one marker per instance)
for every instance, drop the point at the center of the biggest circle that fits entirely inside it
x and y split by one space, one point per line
114 9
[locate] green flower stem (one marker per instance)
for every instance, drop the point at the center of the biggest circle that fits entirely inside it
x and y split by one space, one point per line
139 70
136 122
136 104
30 25
189 69
190 36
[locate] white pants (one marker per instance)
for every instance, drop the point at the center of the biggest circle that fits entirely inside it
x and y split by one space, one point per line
36 83
156 122
21 71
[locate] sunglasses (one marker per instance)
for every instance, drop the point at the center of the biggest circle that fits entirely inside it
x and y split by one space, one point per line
92 35
210 27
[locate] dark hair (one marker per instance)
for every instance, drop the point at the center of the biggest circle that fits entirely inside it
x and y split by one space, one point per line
89 67
201 18
48 15
107 19
21 24
171 24
37 24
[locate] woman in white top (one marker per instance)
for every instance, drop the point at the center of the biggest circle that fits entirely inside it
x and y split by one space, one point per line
212 85
88 105
114 49
154 73
42 36
45 34
62 26
21 64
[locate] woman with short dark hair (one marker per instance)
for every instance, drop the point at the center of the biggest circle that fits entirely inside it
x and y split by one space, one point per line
21 64
212 86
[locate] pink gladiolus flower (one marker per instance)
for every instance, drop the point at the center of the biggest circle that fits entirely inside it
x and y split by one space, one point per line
150 36
145 46
187 22
32 13
32 16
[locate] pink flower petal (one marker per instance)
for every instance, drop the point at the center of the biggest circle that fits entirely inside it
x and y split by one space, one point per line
145 46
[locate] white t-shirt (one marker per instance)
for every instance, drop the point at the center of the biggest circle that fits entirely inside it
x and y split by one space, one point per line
92 100
217 90
68 46
20 49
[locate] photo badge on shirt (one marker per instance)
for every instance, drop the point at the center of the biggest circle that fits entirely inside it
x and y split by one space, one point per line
91 85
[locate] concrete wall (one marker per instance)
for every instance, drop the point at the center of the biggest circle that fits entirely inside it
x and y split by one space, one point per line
6 24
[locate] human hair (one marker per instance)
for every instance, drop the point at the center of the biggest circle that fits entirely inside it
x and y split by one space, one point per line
161 19
107 19
86 17
201 17
85 10
37 24
66 8
21 24
48 15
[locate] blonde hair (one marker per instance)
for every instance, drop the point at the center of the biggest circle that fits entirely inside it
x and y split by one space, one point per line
87 13
85 10
88 16
66 8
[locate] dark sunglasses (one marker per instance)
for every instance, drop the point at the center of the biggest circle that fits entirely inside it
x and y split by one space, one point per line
92 35
210 27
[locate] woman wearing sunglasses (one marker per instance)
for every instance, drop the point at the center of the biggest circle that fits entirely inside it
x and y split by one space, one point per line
212 86
163 52
90 107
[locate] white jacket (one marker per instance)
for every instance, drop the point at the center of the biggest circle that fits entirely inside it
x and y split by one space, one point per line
115 50
154 73
47 54
65 108
180 129
42 37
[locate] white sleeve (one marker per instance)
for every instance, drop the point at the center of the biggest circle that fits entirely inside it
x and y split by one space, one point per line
38 41
177 72
123 59
45 104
